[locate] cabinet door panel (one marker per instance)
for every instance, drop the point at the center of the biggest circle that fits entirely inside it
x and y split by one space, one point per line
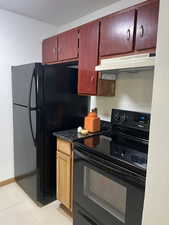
68 45
147 23
117 32
49 50
64 179
88 58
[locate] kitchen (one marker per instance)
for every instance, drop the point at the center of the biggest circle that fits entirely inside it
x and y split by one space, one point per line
144 105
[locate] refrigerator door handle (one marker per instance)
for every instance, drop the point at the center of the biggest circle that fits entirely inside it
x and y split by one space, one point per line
30 109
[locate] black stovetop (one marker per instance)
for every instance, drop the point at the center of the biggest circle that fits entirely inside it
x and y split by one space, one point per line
127 142
116 148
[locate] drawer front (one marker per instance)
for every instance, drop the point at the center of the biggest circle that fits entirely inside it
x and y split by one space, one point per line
64 146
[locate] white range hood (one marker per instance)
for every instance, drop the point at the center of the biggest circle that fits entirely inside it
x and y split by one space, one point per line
127 63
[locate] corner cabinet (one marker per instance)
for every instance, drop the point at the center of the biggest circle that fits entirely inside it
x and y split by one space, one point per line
49 50
68 45
88 58
117 33
147 24
64 173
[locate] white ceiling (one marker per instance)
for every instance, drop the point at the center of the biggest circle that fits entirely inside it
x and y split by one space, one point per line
56 12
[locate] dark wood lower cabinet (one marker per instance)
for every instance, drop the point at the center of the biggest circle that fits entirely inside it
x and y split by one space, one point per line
88 58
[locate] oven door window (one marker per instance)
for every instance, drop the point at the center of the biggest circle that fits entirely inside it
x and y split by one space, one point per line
106 193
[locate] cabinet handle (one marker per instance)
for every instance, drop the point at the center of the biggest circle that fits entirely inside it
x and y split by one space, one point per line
128 34
59 51
141 31
54 51
92 79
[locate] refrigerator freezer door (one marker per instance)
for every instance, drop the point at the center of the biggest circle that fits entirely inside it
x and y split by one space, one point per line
21 84
24 150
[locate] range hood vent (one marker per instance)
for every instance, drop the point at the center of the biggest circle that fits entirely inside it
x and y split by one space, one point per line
127 63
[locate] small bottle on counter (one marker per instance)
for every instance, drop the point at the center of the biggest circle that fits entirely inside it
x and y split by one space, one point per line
92 122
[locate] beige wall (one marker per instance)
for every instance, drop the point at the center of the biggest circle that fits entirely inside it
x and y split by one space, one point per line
156 210
133 92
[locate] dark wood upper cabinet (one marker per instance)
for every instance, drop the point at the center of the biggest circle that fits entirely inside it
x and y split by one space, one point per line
147 24
127 31
88 58
49 50
117 33
68 45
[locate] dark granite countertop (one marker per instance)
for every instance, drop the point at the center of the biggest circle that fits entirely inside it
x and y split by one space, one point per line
72 135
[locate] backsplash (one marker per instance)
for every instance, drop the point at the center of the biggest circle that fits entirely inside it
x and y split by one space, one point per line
133 92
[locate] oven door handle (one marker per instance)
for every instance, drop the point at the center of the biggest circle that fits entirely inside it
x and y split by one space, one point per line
134 138
116 170
99 164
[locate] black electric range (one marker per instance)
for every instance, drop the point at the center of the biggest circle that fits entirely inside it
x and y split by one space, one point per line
126 144
110 172
116 149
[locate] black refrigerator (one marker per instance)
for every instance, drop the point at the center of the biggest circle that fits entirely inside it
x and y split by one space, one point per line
45 100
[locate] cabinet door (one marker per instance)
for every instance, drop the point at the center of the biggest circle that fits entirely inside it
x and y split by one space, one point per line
68 45
49 50
147 23
64 179
88 58
117 32
72 172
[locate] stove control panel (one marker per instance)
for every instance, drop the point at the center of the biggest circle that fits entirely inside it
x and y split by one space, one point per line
131 119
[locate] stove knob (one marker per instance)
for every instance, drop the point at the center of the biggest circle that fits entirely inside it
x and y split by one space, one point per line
116 116
123 154
123 117
119 117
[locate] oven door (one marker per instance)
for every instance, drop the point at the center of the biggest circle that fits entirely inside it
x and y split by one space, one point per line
108 195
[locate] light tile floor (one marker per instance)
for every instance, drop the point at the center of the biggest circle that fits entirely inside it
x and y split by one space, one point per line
16 208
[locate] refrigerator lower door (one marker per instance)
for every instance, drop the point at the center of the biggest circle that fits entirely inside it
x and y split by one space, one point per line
46 166
25 153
